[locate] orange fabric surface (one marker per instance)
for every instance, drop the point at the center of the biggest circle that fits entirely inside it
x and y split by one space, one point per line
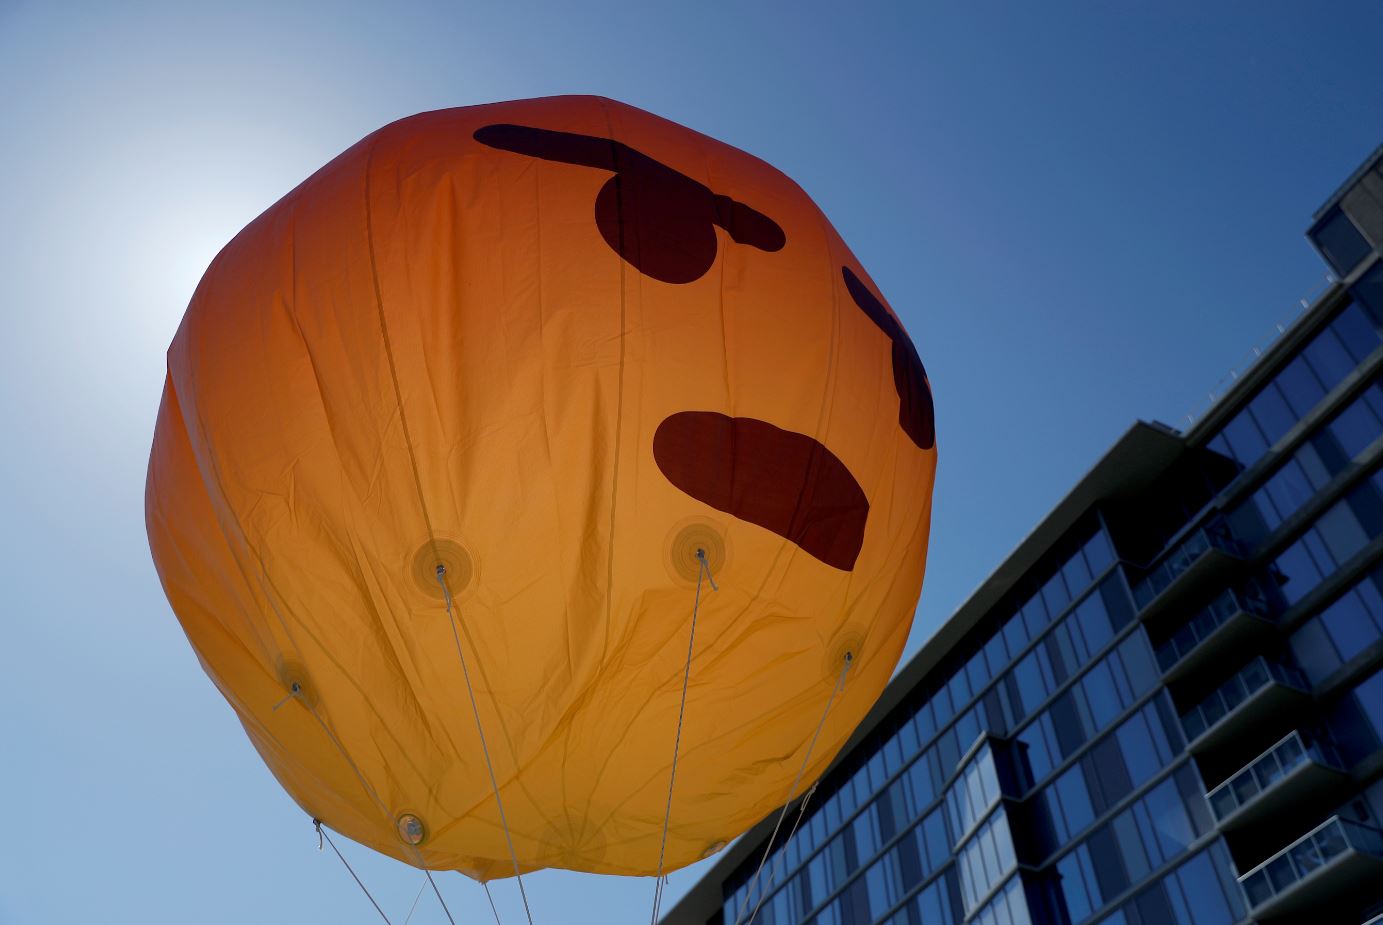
558 345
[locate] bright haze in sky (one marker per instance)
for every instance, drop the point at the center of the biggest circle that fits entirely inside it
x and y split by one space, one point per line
1084 213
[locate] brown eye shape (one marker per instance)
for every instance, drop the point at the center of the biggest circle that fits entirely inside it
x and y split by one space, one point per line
660 220
915 413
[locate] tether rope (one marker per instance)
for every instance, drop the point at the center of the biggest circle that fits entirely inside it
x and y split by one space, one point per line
422 886
439 896
297 693
703 570
778 861
492 902
322 833
484 748
754 885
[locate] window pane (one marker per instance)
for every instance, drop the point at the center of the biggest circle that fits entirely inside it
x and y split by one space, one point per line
1369 291
1349 626
1270 410
1314 651
1169 819
1328 358
1296 572
1341 532
1098 553
1075 801
1055 594
1201 888
1244 438
1300 386
1356 331
1076 573
1138 748
1289 489
1357 426
1339 241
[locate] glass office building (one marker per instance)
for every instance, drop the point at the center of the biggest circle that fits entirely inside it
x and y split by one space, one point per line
1166 706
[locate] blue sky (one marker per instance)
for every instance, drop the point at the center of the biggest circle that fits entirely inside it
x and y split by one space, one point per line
1084 212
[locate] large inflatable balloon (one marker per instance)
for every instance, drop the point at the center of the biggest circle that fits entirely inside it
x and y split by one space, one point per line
561 365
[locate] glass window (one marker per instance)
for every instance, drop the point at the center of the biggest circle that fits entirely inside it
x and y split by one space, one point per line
1245 439
1079 904
1032 686
1094 623
1075 800
1200 888
1287 490
1117 605
1139 666
1349 626
1369 291
959 688
1130 846
1341 531
1356 329
1105 859
1034 615
1296 572
1106 776
1369 694
1105 703
1015 634
1171 824
925 721
1066 721
1076 573
1098 553
1329 358
1138 748
1300 386
1358 425
1339 241
995 654
1270 410
1314 651
977 672
1055 594
937 840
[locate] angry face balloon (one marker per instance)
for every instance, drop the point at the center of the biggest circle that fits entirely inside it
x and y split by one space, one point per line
484 407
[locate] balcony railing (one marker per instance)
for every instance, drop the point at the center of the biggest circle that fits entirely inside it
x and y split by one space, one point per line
1214 537
1337 854
1257 678
1209 621
1270 775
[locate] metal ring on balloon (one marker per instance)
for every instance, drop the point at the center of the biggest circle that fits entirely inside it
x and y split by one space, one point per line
685 538
455 557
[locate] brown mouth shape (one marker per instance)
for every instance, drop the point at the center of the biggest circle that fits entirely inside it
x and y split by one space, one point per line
780 480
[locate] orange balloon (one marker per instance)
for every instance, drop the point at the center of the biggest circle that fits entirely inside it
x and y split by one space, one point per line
562 348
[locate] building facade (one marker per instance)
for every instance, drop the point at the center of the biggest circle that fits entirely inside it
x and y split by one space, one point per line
1166 706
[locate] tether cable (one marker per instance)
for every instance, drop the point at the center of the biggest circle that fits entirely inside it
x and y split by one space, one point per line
323 833
703 570
480 730
486 885
419 895
754 884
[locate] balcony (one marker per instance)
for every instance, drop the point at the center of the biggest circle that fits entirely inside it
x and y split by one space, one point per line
1338 856
1229 624
1259 690
1206 554
1277 780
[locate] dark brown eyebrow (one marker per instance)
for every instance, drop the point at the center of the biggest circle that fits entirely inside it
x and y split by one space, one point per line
658 219
916 415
